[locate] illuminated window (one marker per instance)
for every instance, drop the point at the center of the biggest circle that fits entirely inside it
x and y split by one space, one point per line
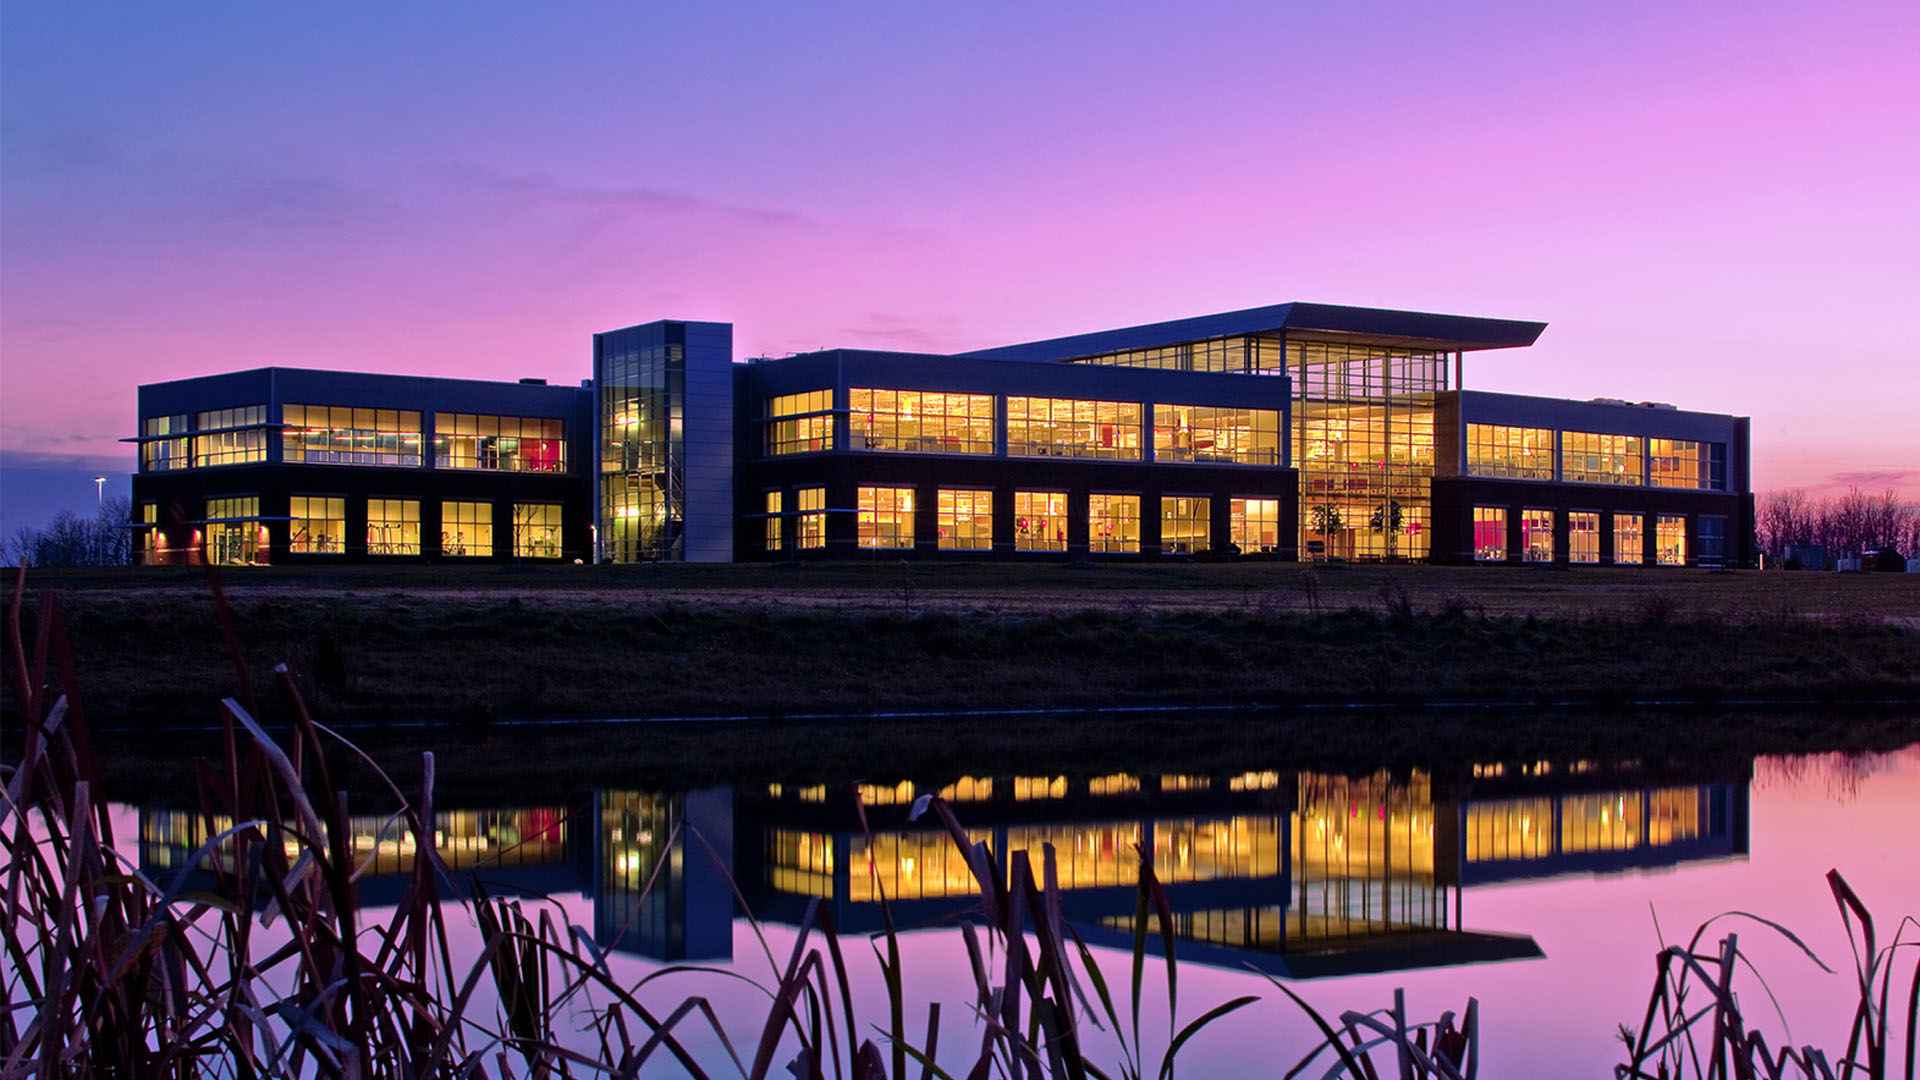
1029 788
1216 434
1676 463
536 531
1670 539
800 862
969 789
466 529
812 520
150 545
1490 533
800 423
1256 524
1629 542
1115 784
1060 427
319 525
335 435
216 442
1509 829
921 421
1583 537
1710 530
393 527
1186 523
1673 815
1536 535
501 443
899 794
886 517
1040 521
1517 453
235 534
773 521
1113 522
965 519
163 443
1183 782
1587 458
1603 822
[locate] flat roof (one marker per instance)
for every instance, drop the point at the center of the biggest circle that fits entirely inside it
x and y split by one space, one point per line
1329 322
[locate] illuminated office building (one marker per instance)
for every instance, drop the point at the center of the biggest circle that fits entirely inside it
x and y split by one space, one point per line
1296 431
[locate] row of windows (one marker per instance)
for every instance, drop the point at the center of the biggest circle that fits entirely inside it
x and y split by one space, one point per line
916 421
963 521
1537 541
235 534
1526 453
340 435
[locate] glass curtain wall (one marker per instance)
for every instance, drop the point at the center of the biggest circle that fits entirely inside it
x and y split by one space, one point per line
642 448
1363 442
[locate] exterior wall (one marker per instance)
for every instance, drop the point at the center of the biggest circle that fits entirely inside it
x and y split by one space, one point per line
709 421
843 471
180 495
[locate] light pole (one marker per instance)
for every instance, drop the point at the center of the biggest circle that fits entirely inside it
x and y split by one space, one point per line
99 491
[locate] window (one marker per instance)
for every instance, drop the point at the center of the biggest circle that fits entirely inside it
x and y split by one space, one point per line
921 421
1717 466
1209 433
536 531
1670 539
1040 521
502 443
466 529
335 435
1256 524
160 450
1586 458
965 519
812 504
886 517
319 525
393 526
1583 537
773 521
1490 533
1536 535
1186 523
800 423
235 534
1060 427
1516 453
224 446
150 536
1674 463
1711 532
1629 543
1113 522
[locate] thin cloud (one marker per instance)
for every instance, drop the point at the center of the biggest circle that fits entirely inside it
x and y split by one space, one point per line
1874 479
538 189
900 331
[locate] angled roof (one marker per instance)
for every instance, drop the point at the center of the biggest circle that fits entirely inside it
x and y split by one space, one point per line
1373 326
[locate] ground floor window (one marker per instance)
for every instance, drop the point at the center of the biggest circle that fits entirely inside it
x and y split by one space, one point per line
466 529
1710 531
812 505
1629 543
536 531
1670 539
1186 523
152 541
393 527
1256 524
1490 533
235 534
886 517
1040 521
1583 537
1113 522
773 521
965 519
1536 535
319 525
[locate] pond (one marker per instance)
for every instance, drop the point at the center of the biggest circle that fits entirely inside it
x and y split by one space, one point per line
1541 888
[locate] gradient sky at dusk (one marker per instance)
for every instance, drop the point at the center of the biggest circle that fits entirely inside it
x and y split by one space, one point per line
1714 205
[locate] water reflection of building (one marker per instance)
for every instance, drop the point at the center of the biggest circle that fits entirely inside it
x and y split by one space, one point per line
661 868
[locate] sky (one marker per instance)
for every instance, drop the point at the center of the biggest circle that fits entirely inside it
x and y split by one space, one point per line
1710 204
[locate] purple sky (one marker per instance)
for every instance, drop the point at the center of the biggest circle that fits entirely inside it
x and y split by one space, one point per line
1716 205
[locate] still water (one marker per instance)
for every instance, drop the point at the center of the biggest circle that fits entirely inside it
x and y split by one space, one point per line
1533 886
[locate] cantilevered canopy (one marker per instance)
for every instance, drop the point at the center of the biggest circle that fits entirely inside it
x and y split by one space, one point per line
1301 322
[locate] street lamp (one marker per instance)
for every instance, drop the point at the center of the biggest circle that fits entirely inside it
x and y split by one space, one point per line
99 491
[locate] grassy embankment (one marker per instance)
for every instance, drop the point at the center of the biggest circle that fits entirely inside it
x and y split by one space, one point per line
388 645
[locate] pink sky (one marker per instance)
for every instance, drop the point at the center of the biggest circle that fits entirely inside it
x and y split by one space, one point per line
1717 207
